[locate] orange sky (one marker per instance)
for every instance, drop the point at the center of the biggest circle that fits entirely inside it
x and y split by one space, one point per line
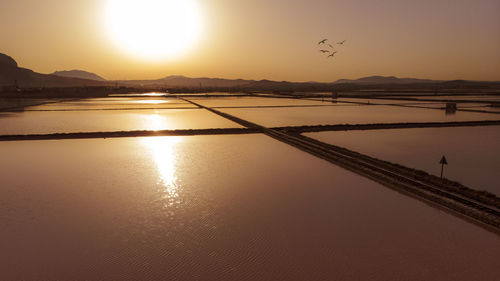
271 39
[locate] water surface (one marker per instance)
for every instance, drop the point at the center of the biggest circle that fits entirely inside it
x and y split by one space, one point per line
465 98
8 103
116 103
271 117
255 101
47 122
473 153
218 208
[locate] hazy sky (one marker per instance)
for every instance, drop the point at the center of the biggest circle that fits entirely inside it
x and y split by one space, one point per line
271 39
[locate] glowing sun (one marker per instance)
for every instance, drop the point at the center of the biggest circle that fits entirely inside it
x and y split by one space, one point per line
153 29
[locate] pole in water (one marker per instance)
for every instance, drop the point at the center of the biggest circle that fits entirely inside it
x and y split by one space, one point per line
443 162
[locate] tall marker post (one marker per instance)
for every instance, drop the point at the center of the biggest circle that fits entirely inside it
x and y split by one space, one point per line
443 162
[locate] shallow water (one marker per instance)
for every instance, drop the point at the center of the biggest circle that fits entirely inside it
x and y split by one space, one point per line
394 102
362 114
390 101
473 153
480 106
150 94
465 98
47 122
426 104
486 108
255 101
6 103
206 208
115 103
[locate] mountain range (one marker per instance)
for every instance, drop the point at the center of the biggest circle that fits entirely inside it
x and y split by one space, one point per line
183 81
11 74
79 74
385 80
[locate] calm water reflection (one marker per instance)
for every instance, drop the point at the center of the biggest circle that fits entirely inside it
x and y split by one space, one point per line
363 114
153 121
37 122
244 208
164 154
115 103
254 101
473 152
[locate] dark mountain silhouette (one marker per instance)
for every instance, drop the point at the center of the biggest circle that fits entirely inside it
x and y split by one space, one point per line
384 80
7 61
182 81
10 73
173 77
79 74
13 75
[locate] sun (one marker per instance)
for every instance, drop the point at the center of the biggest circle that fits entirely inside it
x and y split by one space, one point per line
153 29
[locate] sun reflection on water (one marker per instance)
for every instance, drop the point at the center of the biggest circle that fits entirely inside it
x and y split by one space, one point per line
153 121
153 101
163 153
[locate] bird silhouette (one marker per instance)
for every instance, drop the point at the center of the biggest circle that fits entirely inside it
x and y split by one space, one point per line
333 54
330 46
324 51
341 43
322 41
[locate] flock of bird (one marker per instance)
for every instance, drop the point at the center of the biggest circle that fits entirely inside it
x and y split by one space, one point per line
332 50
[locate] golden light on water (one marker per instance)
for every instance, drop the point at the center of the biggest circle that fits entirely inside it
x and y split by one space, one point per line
153 29
153 122
152 101
163 153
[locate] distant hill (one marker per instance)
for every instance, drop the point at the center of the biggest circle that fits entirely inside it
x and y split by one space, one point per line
79 74
384 80
7 61
182 81
11 74
203 81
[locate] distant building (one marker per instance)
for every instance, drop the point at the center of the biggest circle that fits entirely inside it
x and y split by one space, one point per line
8 89
451 108
335 95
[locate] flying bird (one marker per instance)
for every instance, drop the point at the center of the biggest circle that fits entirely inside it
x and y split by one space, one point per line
341 43
333 54
322 41
324 51
330 46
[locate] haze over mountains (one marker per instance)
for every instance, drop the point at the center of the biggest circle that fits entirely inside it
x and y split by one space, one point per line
79 74
385 80
182 81
11 74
